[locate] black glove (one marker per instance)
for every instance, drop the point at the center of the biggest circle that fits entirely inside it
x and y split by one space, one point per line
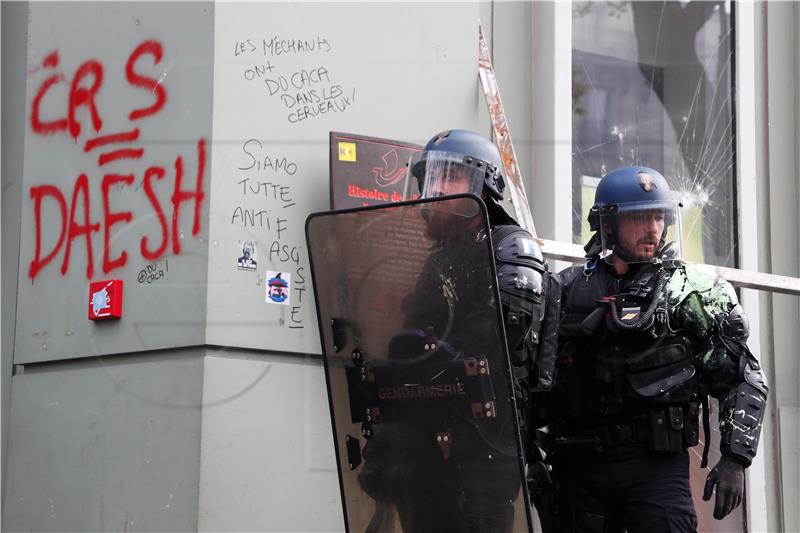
543 495
728 476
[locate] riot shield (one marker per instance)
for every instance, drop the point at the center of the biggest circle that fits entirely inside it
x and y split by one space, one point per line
417 368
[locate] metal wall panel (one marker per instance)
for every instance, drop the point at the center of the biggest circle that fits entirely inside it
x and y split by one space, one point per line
267 460
106 444
14 30
117 95
783 221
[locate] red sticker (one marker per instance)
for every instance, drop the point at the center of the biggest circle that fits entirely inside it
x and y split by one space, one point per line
105 299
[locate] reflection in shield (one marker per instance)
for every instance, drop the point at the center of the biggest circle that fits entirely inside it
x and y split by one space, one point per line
416 368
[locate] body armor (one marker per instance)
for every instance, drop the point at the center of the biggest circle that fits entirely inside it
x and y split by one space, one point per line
530 305
639 354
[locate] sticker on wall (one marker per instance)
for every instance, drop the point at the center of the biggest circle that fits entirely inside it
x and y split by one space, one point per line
347 151
105 299
247 256
278 287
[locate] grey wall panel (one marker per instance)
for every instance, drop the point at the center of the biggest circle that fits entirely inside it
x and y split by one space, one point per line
267 453
551 126
14 30
777 27
105 77
109 444
512 57
784 221
396 70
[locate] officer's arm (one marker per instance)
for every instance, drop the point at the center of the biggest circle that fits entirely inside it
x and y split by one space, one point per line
729 370
742 406
523 288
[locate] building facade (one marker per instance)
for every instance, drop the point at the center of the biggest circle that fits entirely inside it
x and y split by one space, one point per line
204 406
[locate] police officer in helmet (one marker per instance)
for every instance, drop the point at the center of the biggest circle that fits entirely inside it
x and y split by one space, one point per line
644 340
458 162
461 161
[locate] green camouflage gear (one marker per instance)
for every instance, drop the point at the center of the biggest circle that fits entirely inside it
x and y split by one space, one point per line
708 308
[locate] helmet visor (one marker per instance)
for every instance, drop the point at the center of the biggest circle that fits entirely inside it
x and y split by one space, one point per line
641 232
447 173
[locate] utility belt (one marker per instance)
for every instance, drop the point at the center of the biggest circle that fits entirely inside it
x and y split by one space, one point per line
666 430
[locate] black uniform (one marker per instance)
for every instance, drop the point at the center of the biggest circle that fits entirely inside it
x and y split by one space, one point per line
631 379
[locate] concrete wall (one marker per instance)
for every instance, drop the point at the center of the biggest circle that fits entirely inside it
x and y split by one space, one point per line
200 408
109 444
777 27
15 36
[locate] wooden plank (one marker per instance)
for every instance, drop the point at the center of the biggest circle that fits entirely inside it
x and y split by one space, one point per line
744 279
502 135
562 251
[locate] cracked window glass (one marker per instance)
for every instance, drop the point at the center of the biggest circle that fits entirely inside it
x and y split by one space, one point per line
652 85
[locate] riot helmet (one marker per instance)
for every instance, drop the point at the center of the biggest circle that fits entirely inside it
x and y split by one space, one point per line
456 162
636 216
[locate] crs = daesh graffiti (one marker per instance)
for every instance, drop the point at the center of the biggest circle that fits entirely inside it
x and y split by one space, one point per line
85 84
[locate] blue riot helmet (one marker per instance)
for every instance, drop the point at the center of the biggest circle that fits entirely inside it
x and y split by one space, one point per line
459 161
636 216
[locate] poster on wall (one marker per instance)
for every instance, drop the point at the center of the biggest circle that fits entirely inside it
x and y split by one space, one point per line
247 259
368 170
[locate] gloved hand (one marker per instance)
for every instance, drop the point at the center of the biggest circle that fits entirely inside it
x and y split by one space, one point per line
728 477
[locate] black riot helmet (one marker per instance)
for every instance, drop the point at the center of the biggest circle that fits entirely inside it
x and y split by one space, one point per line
459 161
635 215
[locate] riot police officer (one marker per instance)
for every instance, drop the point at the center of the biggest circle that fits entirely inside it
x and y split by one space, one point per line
457 162
461 161
643 340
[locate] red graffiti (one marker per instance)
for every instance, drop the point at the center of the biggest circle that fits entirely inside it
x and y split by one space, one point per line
51 61
82 96
137 80
74 230
76 226
43 128
91 144
179 196
158 173
37 195
124 153
85 85
109 219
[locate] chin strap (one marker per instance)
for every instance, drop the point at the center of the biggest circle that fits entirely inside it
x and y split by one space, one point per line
592 249
594 246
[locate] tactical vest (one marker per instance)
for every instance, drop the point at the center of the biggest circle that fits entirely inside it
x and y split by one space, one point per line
625 372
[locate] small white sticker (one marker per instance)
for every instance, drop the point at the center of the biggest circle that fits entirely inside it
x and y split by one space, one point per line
247 256
279 286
